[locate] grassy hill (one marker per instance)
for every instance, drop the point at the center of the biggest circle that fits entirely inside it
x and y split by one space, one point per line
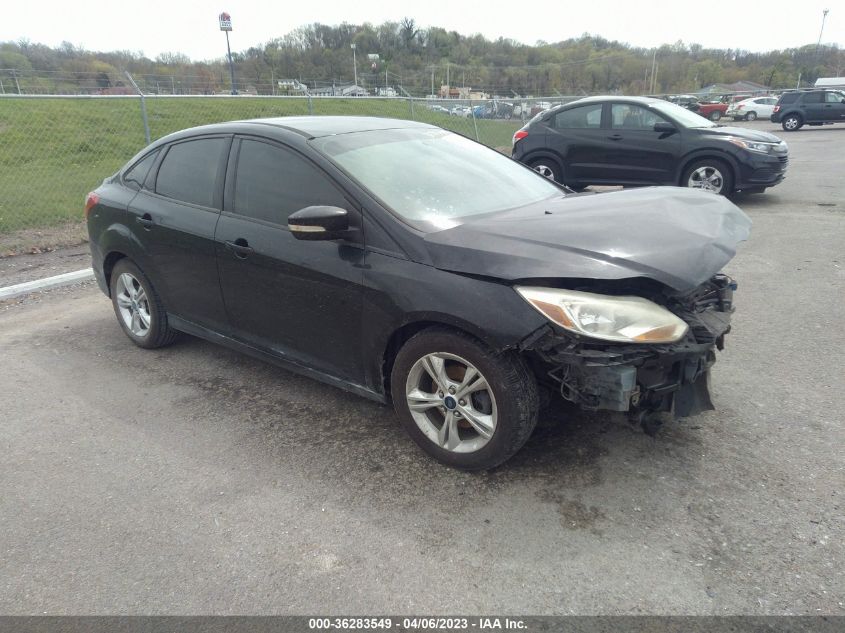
53 151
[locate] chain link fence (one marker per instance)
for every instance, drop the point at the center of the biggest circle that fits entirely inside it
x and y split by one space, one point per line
55 149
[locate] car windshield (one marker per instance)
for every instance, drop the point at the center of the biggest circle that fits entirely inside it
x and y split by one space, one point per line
682 116
433 178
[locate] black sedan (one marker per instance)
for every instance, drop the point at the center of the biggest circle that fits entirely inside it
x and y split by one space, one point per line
411 265
642 141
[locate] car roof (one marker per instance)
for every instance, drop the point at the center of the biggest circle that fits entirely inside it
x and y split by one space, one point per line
605 98
317 126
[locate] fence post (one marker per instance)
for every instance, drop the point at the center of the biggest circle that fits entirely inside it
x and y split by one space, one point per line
474 122
310 105
143 107
411 103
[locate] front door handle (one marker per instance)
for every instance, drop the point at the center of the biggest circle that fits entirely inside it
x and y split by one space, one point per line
240 247
615 137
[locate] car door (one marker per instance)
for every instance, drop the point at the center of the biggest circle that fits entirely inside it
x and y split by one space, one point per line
173 219
576 135
834 105
301 300
765 106
636 154
812 106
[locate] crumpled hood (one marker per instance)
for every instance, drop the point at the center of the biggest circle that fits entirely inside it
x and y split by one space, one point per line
678 237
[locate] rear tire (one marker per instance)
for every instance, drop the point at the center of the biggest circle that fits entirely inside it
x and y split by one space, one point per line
715 115
792 123
751 116
484 426
548 168
138 307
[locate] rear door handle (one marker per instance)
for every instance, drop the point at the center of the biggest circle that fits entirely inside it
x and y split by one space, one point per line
240 247
146 221
615 137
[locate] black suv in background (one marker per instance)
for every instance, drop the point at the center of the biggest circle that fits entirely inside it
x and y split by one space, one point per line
813 107
643 141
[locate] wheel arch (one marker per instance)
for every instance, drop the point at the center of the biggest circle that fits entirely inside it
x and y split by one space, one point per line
109 262
544 153
406 331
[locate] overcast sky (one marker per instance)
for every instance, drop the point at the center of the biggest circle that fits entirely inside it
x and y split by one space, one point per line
190 26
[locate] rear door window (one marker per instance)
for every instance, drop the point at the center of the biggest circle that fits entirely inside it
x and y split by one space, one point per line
586 116
190 171
814 97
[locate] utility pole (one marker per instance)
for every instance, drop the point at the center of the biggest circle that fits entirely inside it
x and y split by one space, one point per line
824 17
226 26
653 64
354 65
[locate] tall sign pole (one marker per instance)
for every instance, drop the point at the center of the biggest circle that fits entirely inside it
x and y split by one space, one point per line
226 26
354 67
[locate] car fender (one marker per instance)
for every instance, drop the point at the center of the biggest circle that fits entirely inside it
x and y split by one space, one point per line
118 238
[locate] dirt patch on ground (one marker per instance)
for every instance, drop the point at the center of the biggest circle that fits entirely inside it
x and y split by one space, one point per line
37 264
42 240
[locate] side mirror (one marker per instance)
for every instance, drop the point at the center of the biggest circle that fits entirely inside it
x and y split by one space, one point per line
664 127
319 223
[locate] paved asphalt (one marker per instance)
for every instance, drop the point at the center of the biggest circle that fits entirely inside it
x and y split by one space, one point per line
195 480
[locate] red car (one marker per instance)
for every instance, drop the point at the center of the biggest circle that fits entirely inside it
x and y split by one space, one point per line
712 111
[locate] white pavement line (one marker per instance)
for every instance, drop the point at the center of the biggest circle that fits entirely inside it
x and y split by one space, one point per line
48 282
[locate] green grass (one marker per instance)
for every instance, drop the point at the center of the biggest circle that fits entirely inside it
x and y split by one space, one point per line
53 151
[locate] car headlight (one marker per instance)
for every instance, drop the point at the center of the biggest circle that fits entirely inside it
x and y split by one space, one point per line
762 148
605 317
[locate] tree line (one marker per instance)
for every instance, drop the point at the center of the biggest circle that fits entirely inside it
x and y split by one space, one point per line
319 55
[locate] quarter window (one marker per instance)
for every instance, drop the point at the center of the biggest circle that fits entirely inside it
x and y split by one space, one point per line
271 183
137 174
189 171
632 117
588 116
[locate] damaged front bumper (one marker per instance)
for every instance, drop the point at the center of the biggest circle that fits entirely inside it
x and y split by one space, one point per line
642 379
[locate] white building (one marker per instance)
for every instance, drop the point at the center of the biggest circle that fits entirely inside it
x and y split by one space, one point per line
830 82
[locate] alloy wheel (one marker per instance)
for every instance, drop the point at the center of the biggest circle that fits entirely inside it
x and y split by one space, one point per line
133 305
707 178
451 402
545 170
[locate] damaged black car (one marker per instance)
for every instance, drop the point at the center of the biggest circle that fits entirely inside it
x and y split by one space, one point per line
413 266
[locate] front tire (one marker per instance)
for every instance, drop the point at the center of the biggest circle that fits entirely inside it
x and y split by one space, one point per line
792 123
709 174
138 307
715 115
465 405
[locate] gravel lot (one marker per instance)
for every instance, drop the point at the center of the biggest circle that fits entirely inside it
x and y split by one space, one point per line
195 480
